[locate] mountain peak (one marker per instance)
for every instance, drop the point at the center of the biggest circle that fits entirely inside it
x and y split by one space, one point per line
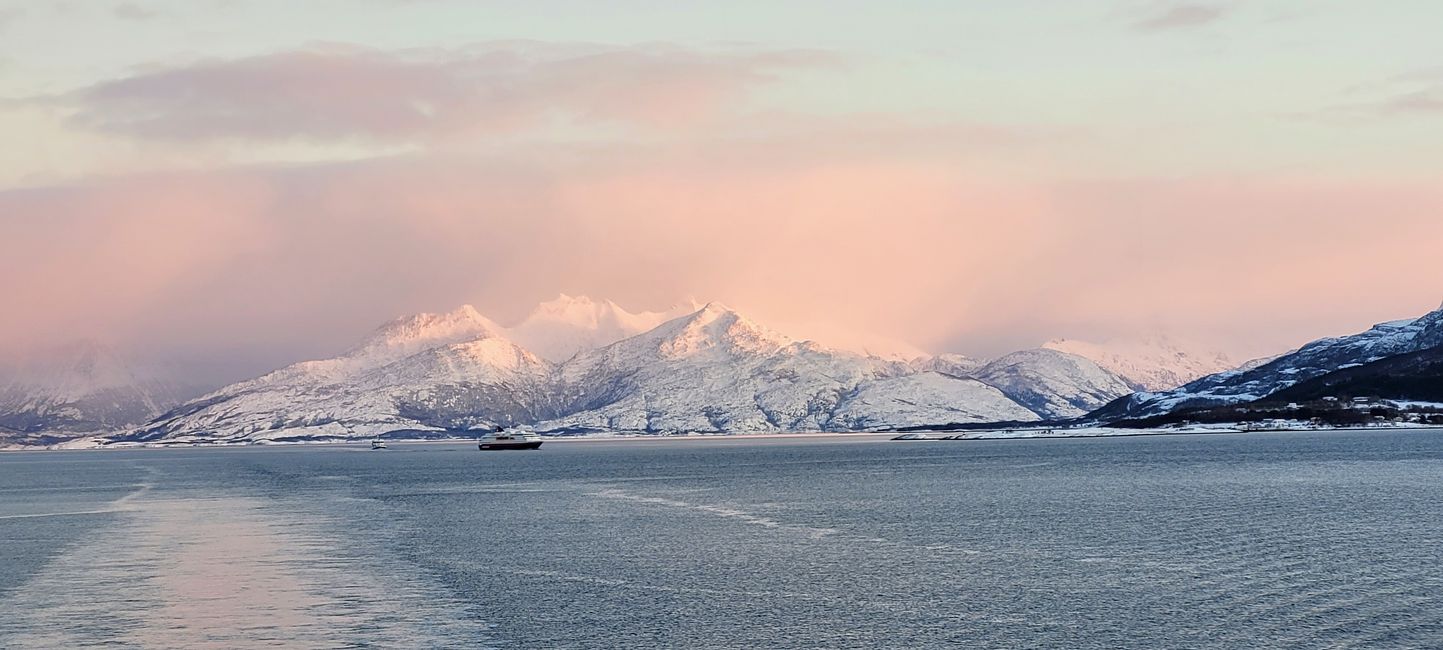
717 327
465 320
558 329
716 312
716 308
411 334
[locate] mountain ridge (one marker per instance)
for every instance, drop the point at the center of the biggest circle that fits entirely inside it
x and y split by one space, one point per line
710 370
81 389
1152 363
1054 384
1253 382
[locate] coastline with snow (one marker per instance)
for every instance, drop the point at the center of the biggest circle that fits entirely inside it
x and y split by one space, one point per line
923 435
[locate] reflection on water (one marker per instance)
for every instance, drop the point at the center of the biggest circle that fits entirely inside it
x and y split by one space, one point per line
221 572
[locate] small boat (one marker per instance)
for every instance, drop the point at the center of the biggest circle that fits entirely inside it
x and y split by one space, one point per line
377 443
503 439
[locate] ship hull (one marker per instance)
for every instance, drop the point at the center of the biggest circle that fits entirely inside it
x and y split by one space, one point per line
503 446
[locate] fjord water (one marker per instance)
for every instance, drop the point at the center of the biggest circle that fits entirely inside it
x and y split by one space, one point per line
1228 541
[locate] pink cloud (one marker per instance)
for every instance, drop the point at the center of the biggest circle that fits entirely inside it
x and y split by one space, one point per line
1264 263
262 266
344 92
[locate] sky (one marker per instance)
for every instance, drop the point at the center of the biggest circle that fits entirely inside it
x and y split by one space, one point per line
235 184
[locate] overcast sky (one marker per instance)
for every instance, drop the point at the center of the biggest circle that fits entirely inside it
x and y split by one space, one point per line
242 184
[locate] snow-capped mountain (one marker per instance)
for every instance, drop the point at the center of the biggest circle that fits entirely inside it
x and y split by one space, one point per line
927 398
1054 384
406 336
715 370
559 329
605 369
956 365
79 389
431 371
1315 359
1153 363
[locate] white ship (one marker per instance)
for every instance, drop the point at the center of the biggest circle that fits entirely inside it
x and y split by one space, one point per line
503 439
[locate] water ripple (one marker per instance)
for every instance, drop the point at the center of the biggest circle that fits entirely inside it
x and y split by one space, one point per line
222 572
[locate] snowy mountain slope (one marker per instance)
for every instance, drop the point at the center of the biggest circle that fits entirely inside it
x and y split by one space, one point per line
956 365
927 398
1430 330
1412 377
1154 363
83 388
431 371
715 370
559 329
711 370
406 336
1312 360
1053 384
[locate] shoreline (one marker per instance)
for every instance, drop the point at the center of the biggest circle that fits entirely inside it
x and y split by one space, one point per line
1135 433
973 436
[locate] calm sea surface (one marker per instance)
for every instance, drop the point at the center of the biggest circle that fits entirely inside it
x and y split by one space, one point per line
1226 541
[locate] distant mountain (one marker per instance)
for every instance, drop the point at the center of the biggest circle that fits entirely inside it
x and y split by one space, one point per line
715 370
1066 378
431 371
956 365
928 398
80 389
1256 381
409 335
709 371
1153 363
1053 384
559 329
600 368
